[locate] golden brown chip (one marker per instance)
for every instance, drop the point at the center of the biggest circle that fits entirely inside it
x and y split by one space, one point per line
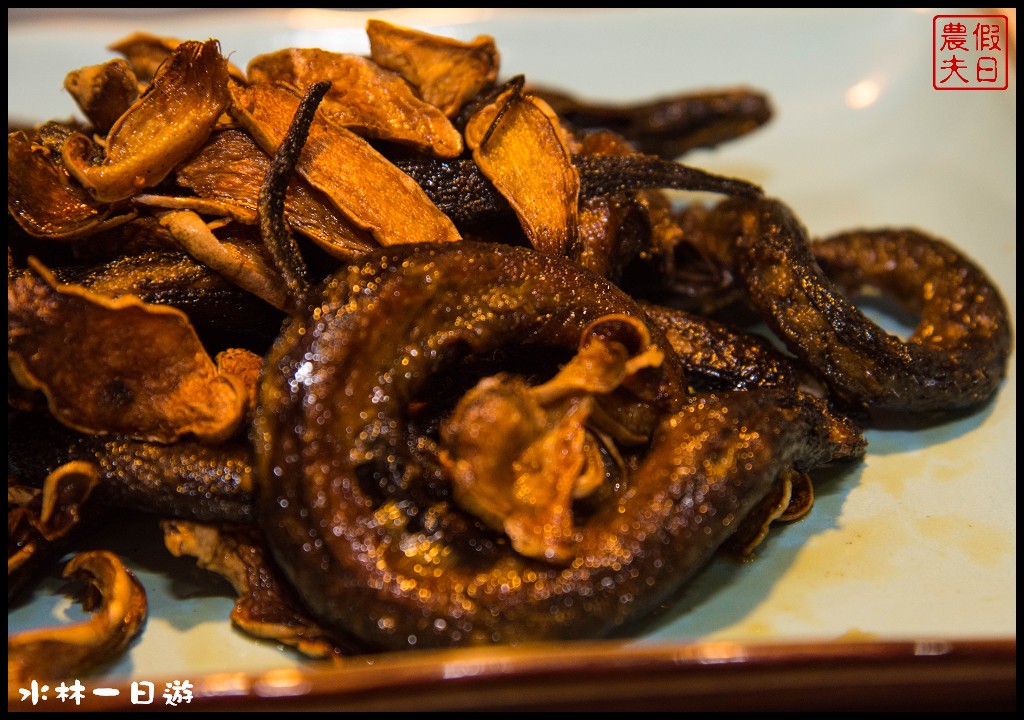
446 72
267 606
360 182
518 144
54 653
103 92
249 270
364 97
519 455
231 168
145 52
35 517
116 365
244 365
801 497
45 201
171 121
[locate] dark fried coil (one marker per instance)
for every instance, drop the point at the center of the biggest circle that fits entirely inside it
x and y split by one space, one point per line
957 353
364 526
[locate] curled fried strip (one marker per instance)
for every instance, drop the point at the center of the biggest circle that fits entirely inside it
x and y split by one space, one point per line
184 479
362 522
37 519
267 606
116 365
62 652
169 123
670 126
195 237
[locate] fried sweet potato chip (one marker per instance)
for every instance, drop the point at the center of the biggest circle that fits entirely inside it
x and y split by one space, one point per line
267 606
231 168
171 121
347 169
446 72
116 365
518 144
36 517
45 202
248 270
145 53
364 97
103 92
120 613
519 455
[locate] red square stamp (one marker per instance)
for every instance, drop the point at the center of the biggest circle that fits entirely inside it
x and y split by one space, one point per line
970 52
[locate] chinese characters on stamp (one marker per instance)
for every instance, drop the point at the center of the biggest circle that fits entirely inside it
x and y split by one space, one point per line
970 52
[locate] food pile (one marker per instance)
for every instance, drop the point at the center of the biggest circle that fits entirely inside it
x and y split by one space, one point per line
417 356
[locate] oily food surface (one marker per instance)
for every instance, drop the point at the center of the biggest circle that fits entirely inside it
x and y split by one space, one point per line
389 516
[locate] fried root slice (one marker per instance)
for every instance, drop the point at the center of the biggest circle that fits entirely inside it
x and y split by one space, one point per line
519 455
45 201
231 168
169 123
37 520
364 97
347 169
117 365
267 607
103 92
447 73
145 53
518 145
247 270
119 604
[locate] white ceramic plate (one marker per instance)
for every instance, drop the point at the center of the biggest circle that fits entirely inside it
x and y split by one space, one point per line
916 542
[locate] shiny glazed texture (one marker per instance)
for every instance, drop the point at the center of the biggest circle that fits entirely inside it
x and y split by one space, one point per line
955 357
360 517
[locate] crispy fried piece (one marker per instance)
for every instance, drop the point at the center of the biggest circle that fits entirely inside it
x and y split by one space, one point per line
446 72
519 455
55 653
248 270
267 607
116 364
346 169
244 365
518 144
801 497
364 97
171 121
46 202
231 167
103 92
38 519
145 53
